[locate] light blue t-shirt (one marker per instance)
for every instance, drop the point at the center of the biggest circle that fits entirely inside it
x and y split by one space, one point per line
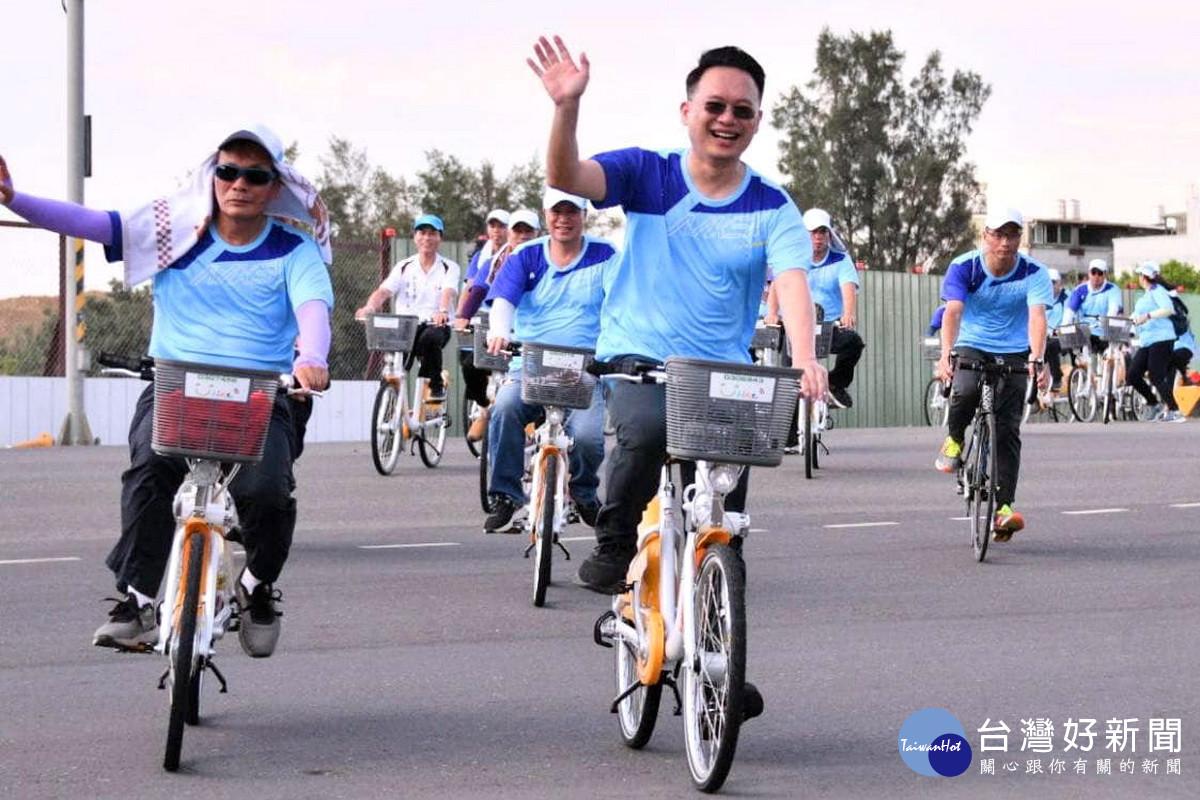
1056 309
1153 331
555 305
691 275
825 281
995 315
1089 306
1186 342
233 305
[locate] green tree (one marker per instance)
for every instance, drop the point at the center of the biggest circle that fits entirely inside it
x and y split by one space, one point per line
1179 273
361 199
885 159
119 322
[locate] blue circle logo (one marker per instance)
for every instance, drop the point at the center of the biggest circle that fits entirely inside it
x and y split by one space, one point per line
933 742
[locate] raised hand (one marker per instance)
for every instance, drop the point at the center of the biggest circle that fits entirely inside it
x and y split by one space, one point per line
563 79
6 184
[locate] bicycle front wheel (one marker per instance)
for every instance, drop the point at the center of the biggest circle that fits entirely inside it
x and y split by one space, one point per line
981 505
933 402
385 436
806 437
182 650
714 679
485 474
470 412
1081 395
1110 397
543 531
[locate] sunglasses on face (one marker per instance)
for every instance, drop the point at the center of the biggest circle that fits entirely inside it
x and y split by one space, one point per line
1097 272
255 176
717 108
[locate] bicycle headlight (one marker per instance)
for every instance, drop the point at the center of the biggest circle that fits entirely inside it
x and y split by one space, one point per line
725 477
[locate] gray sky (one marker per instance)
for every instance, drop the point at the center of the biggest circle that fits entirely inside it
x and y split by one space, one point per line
1087 103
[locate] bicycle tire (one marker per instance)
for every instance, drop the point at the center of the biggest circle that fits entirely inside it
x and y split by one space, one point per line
1081 396
933 391
1110 397
182 650
485 474
637 713
543 531
981 507
470 410
806 434
193 709
712 708
385 441
431 449
818 432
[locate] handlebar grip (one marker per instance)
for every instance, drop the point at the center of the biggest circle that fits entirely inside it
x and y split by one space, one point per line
124 362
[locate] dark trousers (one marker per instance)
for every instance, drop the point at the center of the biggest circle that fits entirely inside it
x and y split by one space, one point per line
262 492
846 347
1008 404
475 380
1157 359
1054 361
1180 359
427 346
638 415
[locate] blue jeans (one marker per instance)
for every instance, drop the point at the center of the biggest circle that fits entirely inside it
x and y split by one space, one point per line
506 442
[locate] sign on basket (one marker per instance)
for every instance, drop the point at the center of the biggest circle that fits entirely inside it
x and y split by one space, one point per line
226 388
560 360
747 388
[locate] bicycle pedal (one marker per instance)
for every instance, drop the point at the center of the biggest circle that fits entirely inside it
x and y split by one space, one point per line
603 631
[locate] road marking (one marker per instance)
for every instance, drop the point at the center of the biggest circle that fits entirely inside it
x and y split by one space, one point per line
38 560
1097 511
1185 505
862 524
402 546
961 519
577 538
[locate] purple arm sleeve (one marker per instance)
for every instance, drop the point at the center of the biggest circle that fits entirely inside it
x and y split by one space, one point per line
471 303
68 219
313 318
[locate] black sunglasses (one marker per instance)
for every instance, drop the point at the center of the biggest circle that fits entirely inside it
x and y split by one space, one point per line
1097 272
255 176
717 108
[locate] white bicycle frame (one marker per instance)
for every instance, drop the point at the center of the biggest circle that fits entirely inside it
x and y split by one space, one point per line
406 410
549 434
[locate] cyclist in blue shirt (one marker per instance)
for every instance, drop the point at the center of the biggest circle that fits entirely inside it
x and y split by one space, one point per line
549 291
475 380
1152 313
1054 318
996 302
1098 297
703 232
833 281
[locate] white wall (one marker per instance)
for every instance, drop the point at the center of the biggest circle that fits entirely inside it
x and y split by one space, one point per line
1129 251
30 406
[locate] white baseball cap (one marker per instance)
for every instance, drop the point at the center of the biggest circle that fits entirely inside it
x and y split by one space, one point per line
1000 217
1054 276
261 135
1148 268
817 218
1098 263
524 215
498 214
555 196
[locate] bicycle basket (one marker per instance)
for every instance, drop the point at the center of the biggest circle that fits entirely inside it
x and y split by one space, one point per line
205 411
766 337
931 348
484 359
731 413
1074 336
824 333
1117 330
393 333
554 375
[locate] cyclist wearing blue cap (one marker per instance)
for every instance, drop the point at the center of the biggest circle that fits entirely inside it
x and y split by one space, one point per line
423 285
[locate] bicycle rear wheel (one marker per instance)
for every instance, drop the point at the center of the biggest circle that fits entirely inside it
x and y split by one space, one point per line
432 441
181 661
543 531
470 412
714 679
981 505
932 409
386 439
638 712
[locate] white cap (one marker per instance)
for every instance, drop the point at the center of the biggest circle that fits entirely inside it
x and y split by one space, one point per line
1148 268
261 135
526 216
1054 276
1002 216
817 218
1098 263
498 214
555 196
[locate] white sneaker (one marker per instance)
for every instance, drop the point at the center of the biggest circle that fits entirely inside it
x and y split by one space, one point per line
1174 416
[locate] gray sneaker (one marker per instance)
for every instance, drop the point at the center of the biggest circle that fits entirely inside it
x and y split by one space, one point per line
129 627
1174 416
258 626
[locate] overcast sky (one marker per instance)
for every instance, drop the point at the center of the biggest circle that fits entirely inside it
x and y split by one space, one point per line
1087 103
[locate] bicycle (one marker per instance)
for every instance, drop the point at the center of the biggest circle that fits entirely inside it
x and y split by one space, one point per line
682 618
217 419
1082 397
813 419
977 471
1118 332
397 419
936 407
554 377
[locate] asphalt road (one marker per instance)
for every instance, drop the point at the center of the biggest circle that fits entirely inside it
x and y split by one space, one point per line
421 669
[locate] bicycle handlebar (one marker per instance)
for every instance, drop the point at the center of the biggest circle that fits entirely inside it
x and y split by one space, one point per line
144 368
993 368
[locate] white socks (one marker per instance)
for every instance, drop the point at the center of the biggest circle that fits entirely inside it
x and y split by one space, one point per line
142 600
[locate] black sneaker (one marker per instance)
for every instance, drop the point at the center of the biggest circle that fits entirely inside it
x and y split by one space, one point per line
501 518
129 626
588 513
840 397
258 629
752 701
603 572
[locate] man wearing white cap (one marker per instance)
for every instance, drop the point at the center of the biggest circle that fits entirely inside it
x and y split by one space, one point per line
424 285
549 291
1095 298
1054 318
996 302
475 380
233 286
833 280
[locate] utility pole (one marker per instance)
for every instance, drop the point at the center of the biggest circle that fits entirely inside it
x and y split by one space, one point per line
75 429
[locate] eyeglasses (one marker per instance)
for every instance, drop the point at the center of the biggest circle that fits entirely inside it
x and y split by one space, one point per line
1014 236
255 176
1096 271
717 108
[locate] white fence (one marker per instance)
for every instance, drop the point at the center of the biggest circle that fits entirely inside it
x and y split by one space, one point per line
32 406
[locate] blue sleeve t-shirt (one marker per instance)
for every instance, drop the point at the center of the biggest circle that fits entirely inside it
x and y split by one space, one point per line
995 315
690 277
825 281
1153 331
1089 306
1054 313
234 305
935 322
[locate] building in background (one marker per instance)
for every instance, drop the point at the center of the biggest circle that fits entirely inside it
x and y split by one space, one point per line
1179 241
